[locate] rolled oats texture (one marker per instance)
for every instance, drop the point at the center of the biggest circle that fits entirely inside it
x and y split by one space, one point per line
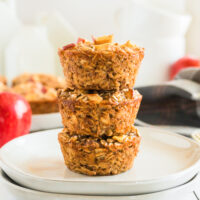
99 156
101 65
100 112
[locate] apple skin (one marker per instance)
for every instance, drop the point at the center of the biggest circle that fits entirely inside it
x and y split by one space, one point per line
15 117
182 63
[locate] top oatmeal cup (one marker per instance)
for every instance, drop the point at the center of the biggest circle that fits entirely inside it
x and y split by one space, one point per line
101 64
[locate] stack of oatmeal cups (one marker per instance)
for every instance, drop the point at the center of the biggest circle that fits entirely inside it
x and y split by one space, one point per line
99 106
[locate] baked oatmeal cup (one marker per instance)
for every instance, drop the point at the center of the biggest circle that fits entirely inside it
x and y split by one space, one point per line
101 64
4 88
3 80
98 113
99 156
42 99
44 79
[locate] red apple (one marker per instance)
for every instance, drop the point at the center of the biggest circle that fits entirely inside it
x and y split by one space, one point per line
80 40
15 117
68 46
183 63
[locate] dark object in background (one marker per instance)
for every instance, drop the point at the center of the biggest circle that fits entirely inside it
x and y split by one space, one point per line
173 103
162 106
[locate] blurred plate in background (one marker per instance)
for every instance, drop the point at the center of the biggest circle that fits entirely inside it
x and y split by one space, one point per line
46 121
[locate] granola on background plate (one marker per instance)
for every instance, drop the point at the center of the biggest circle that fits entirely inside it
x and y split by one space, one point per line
42 99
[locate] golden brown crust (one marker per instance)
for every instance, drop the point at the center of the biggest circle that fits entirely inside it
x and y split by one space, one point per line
44 107
100 113
99 156
3 80
35 92
4 88
42 99
99 65
40 90
44 79
99 106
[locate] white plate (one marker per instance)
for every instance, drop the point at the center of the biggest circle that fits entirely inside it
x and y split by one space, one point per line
183 130
46 121
21 193
165 160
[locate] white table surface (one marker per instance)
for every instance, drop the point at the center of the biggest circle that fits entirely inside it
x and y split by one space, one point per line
4 195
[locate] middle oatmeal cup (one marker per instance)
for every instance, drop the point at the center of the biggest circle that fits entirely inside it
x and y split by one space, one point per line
98 113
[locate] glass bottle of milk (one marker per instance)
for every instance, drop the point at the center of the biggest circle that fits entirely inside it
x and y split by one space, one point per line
29 51
9 24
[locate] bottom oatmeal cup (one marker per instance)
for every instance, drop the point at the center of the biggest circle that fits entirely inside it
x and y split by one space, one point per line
99 156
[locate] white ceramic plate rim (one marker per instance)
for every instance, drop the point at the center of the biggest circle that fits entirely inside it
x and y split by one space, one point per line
152 181
46 121
45 114
21 188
